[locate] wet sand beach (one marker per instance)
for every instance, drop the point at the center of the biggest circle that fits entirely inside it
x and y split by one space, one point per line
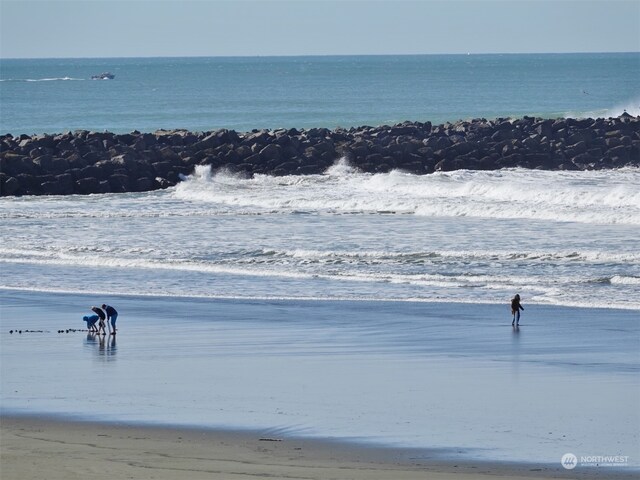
362 388
68 450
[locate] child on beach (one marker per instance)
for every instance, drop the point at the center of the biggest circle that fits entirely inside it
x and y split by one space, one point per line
515 309
91 322
101 317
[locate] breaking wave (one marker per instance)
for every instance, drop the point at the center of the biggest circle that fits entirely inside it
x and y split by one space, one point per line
602 197
624 280
465 236
107 256
422 275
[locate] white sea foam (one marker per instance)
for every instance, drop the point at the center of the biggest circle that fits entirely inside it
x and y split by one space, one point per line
265 257
467 255
624 280
541 289
258 269
53 79
609 197
632 107
594 197
65 259
556 237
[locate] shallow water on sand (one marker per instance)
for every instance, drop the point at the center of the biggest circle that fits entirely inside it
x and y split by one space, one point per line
444 376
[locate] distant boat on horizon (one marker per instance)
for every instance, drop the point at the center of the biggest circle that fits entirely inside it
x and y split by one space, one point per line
103 76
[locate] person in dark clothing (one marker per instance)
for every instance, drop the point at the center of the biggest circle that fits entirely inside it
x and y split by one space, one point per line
515 309
112 316
102 316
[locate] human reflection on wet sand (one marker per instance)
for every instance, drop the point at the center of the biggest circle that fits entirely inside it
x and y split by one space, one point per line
515 349
106 344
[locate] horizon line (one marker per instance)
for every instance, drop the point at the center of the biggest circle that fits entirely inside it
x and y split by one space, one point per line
323 55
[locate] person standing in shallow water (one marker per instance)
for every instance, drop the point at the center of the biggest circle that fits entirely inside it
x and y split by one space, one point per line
112 316
515 309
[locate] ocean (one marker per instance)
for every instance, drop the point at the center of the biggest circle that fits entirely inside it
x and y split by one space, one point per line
202 94
562 238
344 304
557 238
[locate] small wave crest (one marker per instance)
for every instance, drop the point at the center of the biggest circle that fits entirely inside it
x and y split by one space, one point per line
53 79
421 257
624 280
274 257
444 272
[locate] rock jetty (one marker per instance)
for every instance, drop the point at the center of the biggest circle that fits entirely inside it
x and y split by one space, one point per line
84 162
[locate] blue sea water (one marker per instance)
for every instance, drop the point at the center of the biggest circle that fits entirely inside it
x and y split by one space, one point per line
345 294
562 238
56 95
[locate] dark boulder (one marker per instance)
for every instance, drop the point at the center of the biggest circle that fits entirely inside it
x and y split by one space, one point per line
577 149
583 161
9 186
105 162
43 163
271 152
538 160
60 185
621 153
449 165
286 168
325 146
87 185
144 184
29 184
119 183
309 170
18 164
162 168
210 141
104 186
92 171
168 154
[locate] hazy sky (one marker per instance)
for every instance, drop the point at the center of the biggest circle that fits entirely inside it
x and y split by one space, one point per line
136 28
